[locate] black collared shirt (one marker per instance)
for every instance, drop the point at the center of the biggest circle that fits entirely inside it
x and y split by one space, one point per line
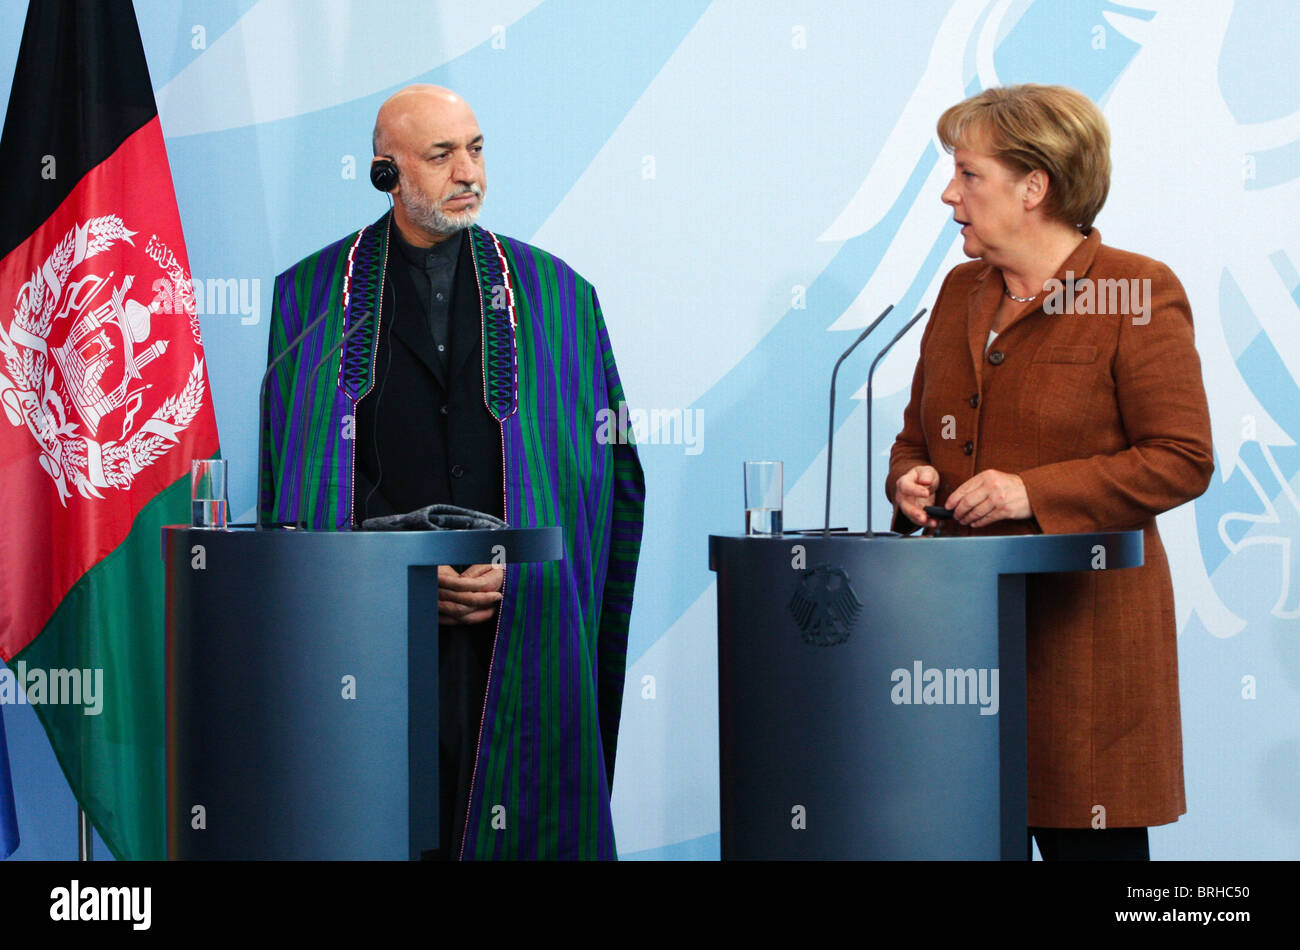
433 270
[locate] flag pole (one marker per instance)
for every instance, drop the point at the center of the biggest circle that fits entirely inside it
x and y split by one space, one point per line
85 843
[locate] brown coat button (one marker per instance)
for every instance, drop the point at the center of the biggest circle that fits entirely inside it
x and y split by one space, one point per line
996 357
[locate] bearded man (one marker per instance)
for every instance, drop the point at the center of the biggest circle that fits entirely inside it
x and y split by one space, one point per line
473 373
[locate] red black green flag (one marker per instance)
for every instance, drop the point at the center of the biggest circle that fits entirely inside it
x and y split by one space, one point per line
104 400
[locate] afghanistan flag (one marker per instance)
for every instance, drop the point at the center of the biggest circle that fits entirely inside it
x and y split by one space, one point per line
105 401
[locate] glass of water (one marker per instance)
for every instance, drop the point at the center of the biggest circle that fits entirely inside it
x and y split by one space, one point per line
208 502
763 499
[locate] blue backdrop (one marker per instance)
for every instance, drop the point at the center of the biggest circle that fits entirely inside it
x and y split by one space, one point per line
745 183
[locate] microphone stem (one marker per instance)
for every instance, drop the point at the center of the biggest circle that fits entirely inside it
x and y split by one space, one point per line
830 433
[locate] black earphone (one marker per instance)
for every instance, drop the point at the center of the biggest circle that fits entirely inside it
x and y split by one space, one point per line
383 173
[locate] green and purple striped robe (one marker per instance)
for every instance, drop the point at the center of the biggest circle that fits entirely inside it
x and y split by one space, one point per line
555 689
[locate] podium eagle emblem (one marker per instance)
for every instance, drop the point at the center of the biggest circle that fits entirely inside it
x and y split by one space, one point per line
825 606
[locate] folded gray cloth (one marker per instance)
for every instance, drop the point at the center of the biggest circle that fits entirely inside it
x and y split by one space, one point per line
434 518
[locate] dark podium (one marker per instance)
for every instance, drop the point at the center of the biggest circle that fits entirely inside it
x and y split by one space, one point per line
871 691
302 695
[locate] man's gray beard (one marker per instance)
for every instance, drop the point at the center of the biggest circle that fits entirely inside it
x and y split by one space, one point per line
433 219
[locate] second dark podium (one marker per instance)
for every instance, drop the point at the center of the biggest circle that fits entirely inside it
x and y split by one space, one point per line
871 691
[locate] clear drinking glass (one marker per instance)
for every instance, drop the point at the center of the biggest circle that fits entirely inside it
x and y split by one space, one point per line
208 502
763 499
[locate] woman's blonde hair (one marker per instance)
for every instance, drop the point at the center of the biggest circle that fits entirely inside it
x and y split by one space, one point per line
1031 127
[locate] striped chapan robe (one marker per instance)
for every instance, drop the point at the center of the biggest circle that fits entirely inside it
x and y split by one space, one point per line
555 687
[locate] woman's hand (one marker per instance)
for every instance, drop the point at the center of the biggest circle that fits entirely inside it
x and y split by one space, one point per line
915 489
989 497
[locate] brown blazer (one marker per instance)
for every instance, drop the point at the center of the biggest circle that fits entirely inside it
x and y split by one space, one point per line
1105 420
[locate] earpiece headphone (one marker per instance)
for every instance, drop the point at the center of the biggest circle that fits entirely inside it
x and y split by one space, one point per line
383 173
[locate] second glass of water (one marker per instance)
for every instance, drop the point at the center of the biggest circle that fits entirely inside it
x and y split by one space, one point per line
208 493
763 499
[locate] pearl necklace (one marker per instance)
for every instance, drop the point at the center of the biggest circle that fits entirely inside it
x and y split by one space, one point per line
1007 290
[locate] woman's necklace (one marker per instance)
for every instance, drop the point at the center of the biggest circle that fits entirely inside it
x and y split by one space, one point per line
1007 290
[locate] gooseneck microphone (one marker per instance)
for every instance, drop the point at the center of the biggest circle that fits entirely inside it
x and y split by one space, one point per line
870 372
262 471
311 377
830 432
